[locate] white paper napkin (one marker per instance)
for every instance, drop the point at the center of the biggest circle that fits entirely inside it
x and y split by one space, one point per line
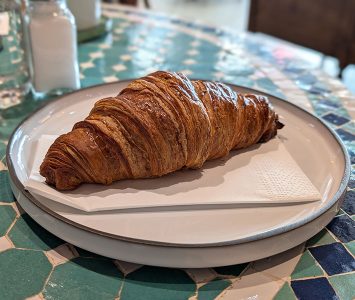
264 173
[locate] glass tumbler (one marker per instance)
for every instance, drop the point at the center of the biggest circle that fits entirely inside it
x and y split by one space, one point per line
14 73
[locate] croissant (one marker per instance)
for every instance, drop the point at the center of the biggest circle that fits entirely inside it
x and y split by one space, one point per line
158 124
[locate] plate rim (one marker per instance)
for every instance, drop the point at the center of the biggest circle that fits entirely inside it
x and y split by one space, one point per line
273 232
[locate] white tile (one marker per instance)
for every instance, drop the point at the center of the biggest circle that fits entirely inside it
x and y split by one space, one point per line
124 24
36 297
132 48
201 275
193 52
150 70
159 59
166 42
104 46
126 267
194 297
171 34
139 41
2 166
186 72
279 266
87 65
144 33
61 254
349 104
5 244
119 30
252 286
17 208
110 79
126 57
219 75
195 43
16 61
189 62
96 54
119 68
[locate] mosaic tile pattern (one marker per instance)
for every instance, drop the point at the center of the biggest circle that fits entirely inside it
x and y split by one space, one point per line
41 266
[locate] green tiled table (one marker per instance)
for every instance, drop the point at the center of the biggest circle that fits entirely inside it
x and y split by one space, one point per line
35 264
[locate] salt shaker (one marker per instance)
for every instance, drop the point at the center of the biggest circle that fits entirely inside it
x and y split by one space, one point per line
52 35
87 13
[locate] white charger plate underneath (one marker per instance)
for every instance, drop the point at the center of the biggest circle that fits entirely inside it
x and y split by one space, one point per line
187 238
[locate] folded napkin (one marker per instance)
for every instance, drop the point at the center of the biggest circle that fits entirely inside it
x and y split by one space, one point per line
263 174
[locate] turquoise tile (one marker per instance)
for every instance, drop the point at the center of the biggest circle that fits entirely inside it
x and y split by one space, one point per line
158 284
8 126
90 81
213 59
234 68
7 216
23 273
83 54
278 93
206 46
97 72
212 289
27 234
126 74
285 293
344 286
350 127
175 67
351 245
239 71
321 238
319 110
242 81
5 191
201 74
19 112
307 267
113 54
183 39
87 48
266 84
2 150
84 278
343 112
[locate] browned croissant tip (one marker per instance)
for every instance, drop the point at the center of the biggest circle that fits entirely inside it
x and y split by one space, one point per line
279 125
61 178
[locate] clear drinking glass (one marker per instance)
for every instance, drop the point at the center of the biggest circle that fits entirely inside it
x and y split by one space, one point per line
14 74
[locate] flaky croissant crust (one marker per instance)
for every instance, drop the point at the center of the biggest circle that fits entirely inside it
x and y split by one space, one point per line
158 124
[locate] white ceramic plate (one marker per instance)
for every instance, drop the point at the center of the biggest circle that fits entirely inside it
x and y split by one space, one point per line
194 238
